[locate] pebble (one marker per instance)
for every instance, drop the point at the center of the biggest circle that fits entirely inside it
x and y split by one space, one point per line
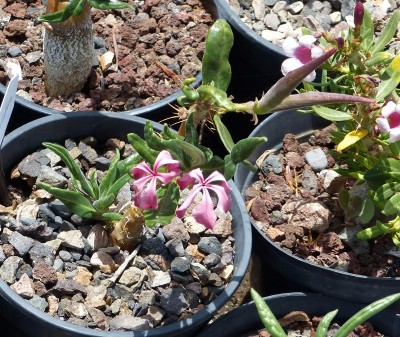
14 51
316 159
349 236
316 15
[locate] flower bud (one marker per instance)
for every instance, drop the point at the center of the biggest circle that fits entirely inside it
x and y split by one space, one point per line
358 14
340 42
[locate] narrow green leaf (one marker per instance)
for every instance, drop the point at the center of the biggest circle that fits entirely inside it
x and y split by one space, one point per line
365 313
367 32
192 136
223 133
110 176
389 80
372 232
216 68
118 184
109 4
267 317
75 201
51 17
388 32
112 216
244 148
140 145
102 204
229 168
76 172
324 324
218 97
393 205
386 191
93 182
331 114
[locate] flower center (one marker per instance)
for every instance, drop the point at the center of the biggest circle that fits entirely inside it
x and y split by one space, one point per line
394 120
303 54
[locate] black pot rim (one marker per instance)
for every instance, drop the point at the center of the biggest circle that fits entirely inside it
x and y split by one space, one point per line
203 315
144 110
257 132
247 32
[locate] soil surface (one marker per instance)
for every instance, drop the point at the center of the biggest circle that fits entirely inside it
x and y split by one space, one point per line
155 45
275 20
295 203
67 266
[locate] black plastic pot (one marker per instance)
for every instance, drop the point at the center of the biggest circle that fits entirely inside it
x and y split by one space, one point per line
295 271
245 319
58 127
260 59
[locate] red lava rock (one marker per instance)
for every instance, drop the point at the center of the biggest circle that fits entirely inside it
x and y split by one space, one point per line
331 243
16 9
15 28
259 210
44 273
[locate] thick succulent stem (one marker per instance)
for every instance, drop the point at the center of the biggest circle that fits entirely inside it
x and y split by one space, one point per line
126 232
68 52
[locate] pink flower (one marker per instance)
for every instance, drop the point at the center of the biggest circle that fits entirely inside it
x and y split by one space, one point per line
145 196
300 53
204 211
390 121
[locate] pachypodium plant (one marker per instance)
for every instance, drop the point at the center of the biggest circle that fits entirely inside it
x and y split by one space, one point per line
68 45
273 326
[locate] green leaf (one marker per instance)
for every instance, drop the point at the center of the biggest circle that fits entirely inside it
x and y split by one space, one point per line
102 204
112 216
367 32
393 205
367 211
51 17
189 155
140 145
351 138
216 69
331 114
192 136
324 324
93 182
223 133
229 168
218 97
110 176
267 317
344 199
167 202
109 4
244 148
76 172
372 232
390 79
388 32
75 201
386 191
118 184
364 314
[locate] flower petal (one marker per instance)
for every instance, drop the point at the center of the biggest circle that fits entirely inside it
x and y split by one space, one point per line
138 184
388 109
217 177
310 77
289 65
147 198
394 135
307 40
204 211
224 199
165 158
180 212
316 52
289 46
383 124
142 169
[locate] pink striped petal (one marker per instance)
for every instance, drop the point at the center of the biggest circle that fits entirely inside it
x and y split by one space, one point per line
181 211
204 211
147 198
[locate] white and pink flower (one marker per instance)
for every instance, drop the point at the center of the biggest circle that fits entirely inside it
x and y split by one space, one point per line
165 169
389 122
300 52
204 212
